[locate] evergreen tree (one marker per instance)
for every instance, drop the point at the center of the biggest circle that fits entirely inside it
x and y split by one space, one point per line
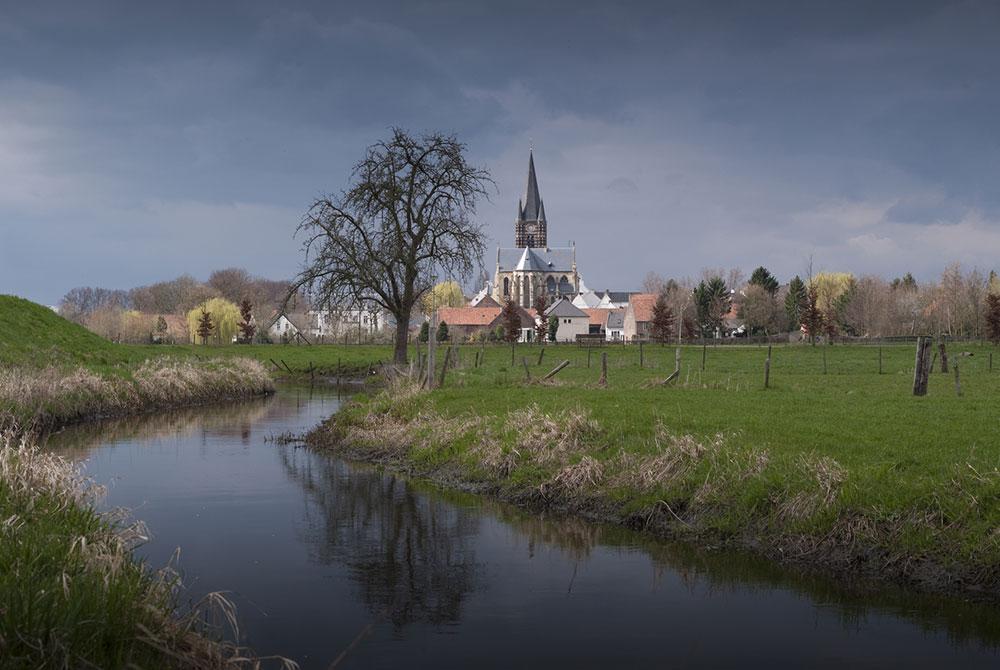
247 329
662 327
425 331
542 324
205 326
713 301
511 321
553 329
763 277
442 332
796 302
993 318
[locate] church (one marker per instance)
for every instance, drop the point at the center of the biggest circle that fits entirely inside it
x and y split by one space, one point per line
531 268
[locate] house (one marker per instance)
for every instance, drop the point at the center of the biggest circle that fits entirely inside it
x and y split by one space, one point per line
598 319
285 327
638 316
468 323
484 300
615 329
615 299
587 300
572 320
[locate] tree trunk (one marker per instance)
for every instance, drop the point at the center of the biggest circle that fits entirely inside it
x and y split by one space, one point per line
402 338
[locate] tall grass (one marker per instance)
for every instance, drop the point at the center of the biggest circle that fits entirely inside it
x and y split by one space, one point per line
41 398
71 594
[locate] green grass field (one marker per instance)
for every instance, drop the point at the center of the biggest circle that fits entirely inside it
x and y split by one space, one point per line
833 451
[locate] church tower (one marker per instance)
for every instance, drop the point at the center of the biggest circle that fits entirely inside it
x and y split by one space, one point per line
530 229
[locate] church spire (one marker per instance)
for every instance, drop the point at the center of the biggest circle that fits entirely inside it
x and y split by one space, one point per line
532 199
530 228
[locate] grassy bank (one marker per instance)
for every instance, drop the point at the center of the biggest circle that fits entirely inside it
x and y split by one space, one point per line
835 464
53 372
71 596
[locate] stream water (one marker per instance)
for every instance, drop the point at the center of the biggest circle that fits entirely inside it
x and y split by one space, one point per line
333 563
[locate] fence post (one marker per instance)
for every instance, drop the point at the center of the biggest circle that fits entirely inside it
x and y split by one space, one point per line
944 356
958 382
767 368
527 372
603 381
921 366
704 352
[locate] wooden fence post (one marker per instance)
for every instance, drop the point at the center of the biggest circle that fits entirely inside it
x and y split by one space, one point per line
540 355
527 371
603 381
958 382
512 345
641 359
444 368
824 360
944 356
704 352
880 359
767 368
590 348
921 366
556 370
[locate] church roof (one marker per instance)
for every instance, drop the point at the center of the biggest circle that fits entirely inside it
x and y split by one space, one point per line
533 209
539 259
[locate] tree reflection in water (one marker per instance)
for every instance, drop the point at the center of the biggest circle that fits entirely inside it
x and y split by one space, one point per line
411 554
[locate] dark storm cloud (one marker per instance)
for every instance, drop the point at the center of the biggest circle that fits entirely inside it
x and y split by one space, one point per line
139 142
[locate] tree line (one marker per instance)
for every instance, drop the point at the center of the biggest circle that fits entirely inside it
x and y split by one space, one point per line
137 314
960 303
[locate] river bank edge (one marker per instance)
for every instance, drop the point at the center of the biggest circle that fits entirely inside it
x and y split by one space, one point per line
87 599
403 447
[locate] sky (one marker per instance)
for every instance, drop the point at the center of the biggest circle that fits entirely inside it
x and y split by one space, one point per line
140 141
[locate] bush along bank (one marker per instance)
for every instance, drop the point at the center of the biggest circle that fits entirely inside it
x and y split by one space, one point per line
803 508
72 596
38 399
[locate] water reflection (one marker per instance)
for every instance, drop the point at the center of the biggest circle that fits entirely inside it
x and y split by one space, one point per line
411 555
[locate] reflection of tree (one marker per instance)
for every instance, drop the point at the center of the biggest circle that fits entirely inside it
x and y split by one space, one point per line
409 552
232 419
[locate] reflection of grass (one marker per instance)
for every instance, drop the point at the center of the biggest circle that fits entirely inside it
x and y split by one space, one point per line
223 419
70 593
845 468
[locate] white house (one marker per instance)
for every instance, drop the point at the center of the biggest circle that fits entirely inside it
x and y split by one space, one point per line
572 320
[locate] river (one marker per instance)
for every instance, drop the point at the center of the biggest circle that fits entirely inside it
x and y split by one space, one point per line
330 561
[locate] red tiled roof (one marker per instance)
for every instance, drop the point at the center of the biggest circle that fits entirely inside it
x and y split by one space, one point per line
468 316
642 306
598 317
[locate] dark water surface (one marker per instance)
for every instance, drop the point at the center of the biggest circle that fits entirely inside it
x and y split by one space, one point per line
319 554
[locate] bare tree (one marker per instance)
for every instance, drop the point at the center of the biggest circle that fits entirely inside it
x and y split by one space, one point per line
406 218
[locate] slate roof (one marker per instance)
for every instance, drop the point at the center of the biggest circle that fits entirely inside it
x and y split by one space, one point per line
616 319
618 296
539 259
565 309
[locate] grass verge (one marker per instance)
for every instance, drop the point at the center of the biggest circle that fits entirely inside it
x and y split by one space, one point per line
835 465
70 593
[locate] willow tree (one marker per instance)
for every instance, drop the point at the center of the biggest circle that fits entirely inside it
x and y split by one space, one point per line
406 219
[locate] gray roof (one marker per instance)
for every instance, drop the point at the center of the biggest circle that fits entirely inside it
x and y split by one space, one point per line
616 319
539 260
617 296
563 308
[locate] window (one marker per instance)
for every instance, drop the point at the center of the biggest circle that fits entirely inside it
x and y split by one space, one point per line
550 285
565 288
506 286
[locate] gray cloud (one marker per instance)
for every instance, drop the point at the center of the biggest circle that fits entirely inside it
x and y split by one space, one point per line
140 142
